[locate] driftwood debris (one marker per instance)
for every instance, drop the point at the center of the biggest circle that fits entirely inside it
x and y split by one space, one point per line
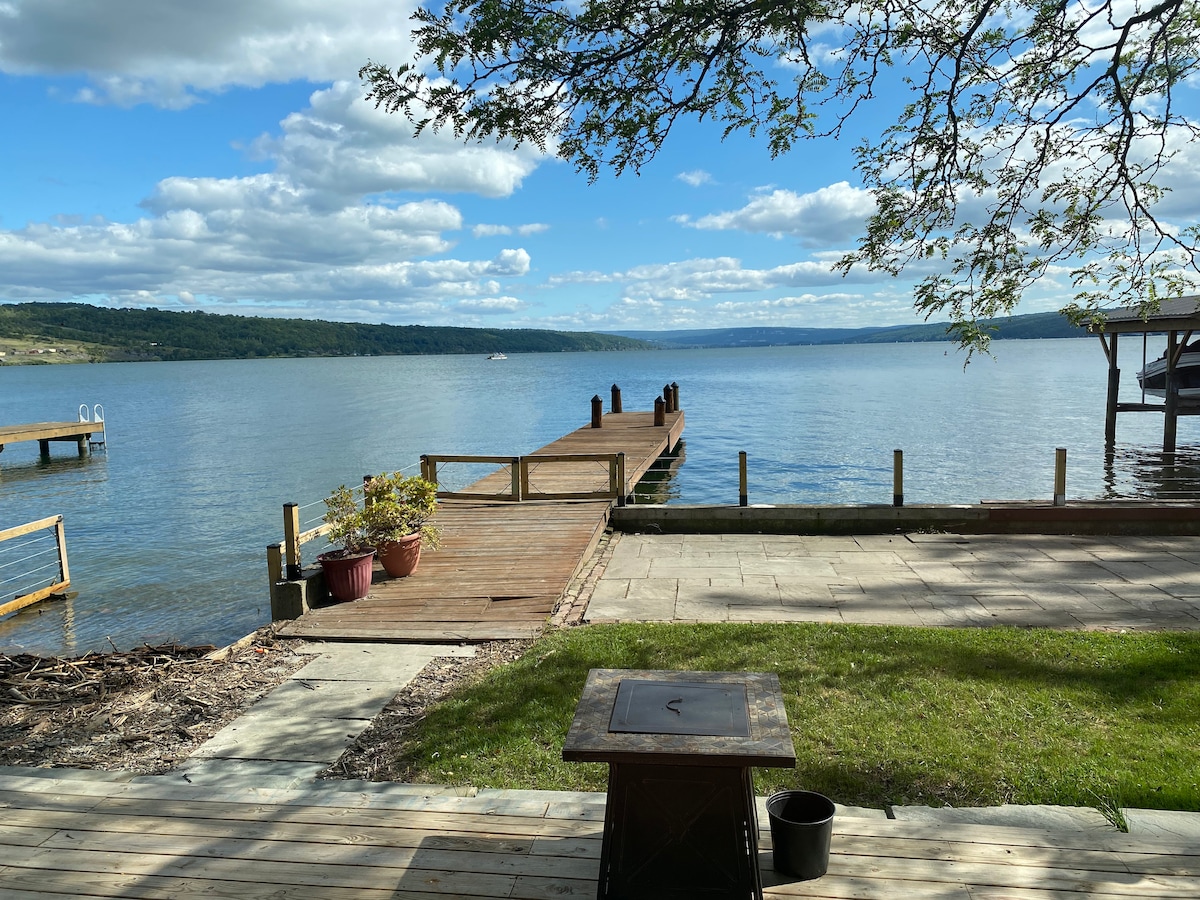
140 710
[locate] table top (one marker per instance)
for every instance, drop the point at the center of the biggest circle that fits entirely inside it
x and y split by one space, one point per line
757 735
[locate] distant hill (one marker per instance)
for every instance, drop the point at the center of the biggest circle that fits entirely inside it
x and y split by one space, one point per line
103 335
81 333
1034 325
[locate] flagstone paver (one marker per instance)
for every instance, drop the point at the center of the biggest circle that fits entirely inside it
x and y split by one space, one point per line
1051 581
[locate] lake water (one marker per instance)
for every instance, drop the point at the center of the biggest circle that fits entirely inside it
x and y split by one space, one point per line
167 530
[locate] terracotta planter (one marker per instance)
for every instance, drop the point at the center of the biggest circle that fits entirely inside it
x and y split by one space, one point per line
347 577
400 558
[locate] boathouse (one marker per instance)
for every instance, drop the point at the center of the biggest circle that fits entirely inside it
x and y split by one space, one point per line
1177 319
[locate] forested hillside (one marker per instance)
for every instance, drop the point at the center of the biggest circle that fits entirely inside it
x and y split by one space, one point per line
128 334
1032 325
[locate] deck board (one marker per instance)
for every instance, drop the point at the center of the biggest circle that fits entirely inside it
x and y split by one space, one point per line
503 566
157 838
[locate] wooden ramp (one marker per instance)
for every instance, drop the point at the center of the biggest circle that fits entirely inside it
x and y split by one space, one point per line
503 565
75 838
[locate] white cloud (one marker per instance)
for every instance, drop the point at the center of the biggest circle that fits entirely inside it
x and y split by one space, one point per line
695 178
830 215
342 147
696 279
164 51
256 238
327 226
492 306
834 310
484 231
233 257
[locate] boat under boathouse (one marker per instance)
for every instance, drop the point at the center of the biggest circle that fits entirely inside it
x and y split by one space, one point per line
1168 377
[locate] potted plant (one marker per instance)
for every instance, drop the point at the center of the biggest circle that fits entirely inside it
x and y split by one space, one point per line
348 569
396 513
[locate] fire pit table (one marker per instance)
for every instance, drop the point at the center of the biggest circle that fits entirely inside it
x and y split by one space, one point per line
680 819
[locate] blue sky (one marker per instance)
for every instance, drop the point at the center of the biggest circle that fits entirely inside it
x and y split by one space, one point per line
219 156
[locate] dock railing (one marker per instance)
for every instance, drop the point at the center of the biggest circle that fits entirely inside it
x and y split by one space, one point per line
39 564
616 489
517 484
511 490
283 559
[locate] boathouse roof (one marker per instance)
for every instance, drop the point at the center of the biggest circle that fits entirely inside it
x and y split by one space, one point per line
1180 314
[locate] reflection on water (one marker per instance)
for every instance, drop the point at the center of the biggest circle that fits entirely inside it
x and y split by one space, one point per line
1140 473
660 484
58 613
28 470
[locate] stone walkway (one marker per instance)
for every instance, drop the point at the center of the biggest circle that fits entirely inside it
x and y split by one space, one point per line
304 725
1052 581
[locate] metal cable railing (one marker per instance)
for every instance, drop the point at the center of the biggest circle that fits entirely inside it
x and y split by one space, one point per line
35 566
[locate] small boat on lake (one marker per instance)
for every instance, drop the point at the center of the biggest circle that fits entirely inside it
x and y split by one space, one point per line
1153 378
497 355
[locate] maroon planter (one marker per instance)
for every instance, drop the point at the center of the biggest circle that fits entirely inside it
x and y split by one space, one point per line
347 576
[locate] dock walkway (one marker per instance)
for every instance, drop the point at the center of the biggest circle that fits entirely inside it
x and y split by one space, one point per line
503 565
44 432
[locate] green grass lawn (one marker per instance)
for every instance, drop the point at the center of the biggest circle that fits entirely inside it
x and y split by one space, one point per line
964 717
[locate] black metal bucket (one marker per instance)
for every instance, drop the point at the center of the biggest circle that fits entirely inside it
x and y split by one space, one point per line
801 828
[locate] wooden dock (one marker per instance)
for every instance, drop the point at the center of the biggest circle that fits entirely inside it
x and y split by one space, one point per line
159 837
44 432
503 565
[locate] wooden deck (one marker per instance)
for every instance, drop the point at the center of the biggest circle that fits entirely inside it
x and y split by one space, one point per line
503 566
44 432
163 838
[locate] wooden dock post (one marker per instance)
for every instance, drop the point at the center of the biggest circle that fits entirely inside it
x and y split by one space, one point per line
274 565
1171 414
668 398
660 411
616 399
897 478
1060 476
597 411
743 490
274 573
291 540
622 487
1114 390
674 396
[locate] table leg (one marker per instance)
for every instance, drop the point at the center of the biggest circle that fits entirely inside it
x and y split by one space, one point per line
679 833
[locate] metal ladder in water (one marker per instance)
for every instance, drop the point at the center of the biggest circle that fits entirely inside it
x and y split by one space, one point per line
96 416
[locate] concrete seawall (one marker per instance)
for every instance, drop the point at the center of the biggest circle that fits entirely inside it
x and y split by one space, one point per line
1117 518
